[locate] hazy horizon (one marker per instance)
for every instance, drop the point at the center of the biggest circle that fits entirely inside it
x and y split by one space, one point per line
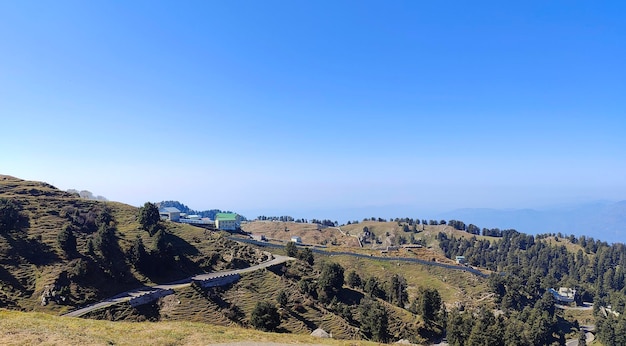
318 106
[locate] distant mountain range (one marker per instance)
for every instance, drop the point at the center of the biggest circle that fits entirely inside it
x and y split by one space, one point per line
601 220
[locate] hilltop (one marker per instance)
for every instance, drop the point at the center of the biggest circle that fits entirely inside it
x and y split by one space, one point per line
379 280
455 286
106 234
112 254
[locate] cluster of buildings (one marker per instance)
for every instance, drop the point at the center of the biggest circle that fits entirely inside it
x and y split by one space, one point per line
223 221
564 294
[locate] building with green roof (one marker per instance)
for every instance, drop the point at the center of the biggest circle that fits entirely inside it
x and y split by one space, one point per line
227 221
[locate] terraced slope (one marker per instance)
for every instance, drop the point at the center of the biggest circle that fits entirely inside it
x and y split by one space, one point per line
32 262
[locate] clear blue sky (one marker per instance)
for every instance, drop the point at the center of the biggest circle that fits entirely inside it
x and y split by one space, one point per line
303 107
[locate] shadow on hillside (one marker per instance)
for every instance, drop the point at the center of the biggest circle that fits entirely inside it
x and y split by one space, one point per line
279 270
349 296
172 262
8 278
30 249
104 271
150 312
307 323
181 246
282 330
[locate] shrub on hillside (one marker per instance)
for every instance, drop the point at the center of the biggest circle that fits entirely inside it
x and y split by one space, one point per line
265 317
149 218
67 240
11 219
374 320
330 281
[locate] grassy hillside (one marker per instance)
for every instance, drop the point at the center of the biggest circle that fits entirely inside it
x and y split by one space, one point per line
561 241
21 328
454 286
310 233
31 260
303 313
389 233
107 261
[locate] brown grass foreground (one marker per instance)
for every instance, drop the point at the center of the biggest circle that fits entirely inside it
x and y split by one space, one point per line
30 328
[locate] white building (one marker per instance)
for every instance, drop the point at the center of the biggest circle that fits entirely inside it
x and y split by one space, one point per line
170 213
296 239
259 237
564 294
227 221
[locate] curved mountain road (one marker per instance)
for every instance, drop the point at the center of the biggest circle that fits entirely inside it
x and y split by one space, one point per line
352 254
128 295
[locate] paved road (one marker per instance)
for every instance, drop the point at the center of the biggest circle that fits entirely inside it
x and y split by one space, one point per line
586 306
589 337
128 295
401 259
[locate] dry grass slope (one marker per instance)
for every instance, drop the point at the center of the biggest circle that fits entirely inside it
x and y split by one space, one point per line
310 233
23 277
31 259
20 328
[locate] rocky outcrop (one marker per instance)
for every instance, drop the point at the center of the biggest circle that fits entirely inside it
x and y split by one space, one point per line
320 333
52 293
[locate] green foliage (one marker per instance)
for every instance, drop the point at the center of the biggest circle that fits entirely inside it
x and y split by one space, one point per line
546 303
104 217
291 249
514 334
527 328
611 330
373 320
265 317
306 255
342 309
330 280
149 218
373 288
78 269
487 329
427 303
535 263
67 240
162 246
354 280
10 215
282 299
541 328
137 253
104 241
89 221
459 327
307 287
396 291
